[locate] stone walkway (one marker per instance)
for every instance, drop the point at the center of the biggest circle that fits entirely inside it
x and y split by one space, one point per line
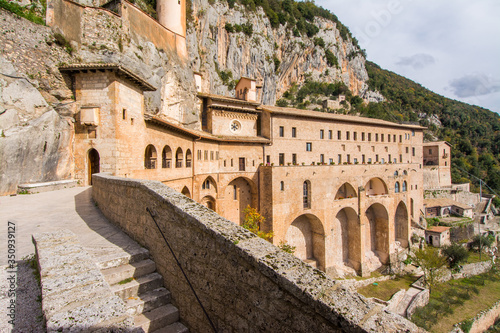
64 209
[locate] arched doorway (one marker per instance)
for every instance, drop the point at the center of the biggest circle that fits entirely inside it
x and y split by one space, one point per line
209 202
347 239
377 237
307 234
150 157
401 224
94 164
240 193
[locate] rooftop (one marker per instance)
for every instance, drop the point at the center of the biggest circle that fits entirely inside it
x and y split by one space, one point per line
438 229
442 202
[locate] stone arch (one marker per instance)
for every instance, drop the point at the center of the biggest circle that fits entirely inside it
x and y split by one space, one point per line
345 191
166 157
209 202
347 238
240 193
150 157
396 187
186 192
401 225
94 163
307 234
430 163
178 157
377 236
376 186
189 158
209 184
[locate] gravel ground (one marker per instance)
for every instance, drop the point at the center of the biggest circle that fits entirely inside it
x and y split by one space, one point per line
28 306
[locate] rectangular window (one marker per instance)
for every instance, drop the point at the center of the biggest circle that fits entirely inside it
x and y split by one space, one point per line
339 159
242 164
355 136
281 159
216 155
400 158
363 159
394 138
282 131
294 132
211 155
376 137
413 151
294 159
205 154
382 137
309 146
330 160
355 161
322 158
369 160
124 114
348 158
224 163
330 135
389 138
199 154
376 158
339 135
389 159
268 159
347 135
407 150
362 136
321 134
430 151
232 163
400 138
412 132
369 137
235 192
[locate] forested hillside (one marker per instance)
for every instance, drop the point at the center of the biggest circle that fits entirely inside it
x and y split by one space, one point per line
473 132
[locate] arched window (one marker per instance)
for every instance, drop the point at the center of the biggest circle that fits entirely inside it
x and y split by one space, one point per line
404 186
150 157
306 194
396 173
166 157
206 185
396 187
405 173
188 158
178 158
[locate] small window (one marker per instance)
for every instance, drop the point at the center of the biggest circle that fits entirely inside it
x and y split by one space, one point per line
382 137
389 159
413 151
369 137
348 158
294 132
369 160
306 194
131 121
412 132
355 160
376 158
404 186
282 159
330 160
362 136
407 150
330 135
339 158
339 135
232 163
355 136
363 159
198 154
205 154
347 135
282 185
211 155
388 138
235 192
321 134
400 158
396 187
282 131
322 158
430 151
394 138
400 138
294 159
242 164
124 114
308 146
376 137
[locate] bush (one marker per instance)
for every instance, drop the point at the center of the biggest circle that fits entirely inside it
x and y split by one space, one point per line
455 254
483 241
331 59
229 27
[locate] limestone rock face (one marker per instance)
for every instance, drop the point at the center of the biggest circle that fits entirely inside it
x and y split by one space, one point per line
213 49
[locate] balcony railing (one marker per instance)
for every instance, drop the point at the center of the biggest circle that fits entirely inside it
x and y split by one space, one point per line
150 164
188 164
178 164
166 163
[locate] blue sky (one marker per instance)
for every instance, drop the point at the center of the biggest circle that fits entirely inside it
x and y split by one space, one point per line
450 47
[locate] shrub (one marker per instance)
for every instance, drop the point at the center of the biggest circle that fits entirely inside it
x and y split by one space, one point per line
455 254
481 241
229 27
331 59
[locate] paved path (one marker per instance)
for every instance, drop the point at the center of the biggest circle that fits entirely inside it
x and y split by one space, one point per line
64 209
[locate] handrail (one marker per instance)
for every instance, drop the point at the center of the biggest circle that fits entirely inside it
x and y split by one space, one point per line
182 270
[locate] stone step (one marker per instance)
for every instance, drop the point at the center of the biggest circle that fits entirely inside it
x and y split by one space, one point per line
158 318
108 258
173 328
137 286
116 274
147 301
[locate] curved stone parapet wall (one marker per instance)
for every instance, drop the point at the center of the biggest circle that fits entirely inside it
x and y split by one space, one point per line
244 282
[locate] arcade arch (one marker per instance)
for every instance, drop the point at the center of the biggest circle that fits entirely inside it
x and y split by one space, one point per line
345 191
377 236
347 238
150 157
166 157
376 186
240 193
401 223
307 234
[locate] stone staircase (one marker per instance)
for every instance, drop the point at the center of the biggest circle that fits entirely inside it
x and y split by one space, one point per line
134 279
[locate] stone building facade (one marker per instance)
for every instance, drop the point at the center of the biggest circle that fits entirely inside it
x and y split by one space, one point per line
342 189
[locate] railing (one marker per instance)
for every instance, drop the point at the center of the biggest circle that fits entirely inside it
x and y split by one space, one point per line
150 164
188 164
166 163
178 164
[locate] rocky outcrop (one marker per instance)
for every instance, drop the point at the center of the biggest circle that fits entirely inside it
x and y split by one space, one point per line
213 49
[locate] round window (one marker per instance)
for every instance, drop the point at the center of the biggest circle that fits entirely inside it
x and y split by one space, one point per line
235 126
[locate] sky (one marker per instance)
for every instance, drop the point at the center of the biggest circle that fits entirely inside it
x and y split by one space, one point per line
451 47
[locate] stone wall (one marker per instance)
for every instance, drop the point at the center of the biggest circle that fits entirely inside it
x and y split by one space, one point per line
482 321
244 282
421 299
76 297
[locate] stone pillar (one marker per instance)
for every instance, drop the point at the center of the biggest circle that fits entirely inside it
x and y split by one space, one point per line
363 220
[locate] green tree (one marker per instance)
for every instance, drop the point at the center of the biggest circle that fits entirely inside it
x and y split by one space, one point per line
481 242
253 222
431 262
456 254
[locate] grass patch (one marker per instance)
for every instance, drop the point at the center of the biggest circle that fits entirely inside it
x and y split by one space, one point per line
474 257
28 14
458 300
385 289
126 281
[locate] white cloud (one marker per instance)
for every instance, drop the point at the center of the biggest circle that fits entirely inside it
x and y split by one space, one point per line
417 61
474 85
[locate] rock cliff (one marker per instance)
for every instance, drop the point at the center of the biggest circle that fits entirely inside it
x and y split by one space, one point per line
213 49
